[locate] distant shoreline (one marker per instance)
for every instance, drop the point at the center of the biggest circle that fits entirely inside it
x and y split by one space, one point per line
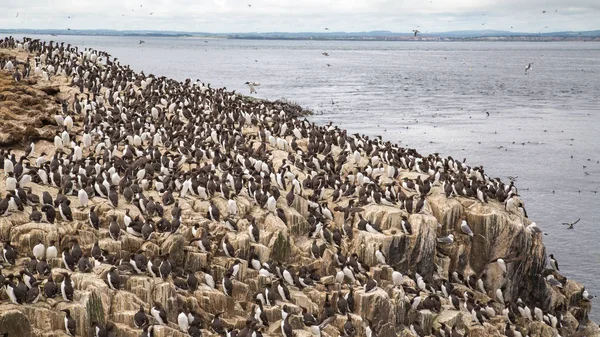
458 36
430 39
347 39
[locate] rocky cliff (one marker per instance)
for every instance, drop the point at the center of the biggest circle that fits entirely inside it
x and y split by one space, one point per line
357 230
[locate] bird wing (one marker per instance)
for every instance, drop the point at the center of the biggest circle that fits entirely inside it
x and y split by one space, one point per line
576 221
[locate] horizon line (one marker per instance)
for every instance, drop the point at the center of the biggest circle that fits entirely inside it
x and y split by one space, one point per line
380 31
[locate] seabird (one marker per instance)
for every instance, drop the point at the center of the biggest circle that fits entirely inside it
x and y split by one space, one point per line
227 284
254 231
533 228
114 229
33 294
182 320
66 288
380 256
251 85
76 251
235 268
217 325
446 239
209 280
68 260
315 250
35 216
15 294
140 319
370 285
213 212
51 251
529 67
416 31
113 278
571 225
99 330
227 247
83 198
113 196
159 314
553 263
69 323
93 218
165 267
286 328
585 295
39 250
65 210
203 242
283 291
553 282
84 265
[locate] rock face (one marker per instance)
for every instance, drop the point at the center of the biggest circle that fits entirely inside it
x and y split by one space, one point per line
14 323
325 244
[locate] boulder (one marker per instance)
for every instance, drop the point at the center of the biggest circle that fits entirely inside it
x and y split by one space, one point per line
14 323
377 307
173 245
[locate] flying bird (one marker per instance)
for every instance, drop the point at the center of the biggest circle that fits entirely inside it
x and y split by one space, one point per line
529 66
325 54
251 85
249 5
17 15
416 31
142 41
326 28
571 225
151 13
543 12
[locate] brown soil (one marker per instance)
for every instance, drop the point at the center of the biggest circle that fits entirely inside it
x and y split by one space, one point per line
26 111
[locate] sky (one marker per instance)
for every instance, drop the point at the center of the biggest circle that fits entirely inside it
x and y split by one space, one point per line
227 16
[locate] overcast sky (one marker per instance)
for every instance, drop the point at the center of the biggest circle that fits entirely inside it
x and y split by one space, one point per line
303 15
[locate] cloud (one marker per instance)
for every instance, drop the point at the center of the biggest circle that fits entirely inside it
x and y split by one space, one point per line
302 15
